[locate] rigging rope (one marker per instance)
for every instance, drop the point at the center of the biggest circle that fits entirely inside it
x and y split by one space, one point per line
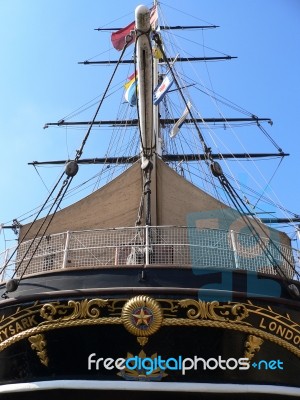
32 223
238 201
268 184
269 137
206 149
58 200
61 193
80 151
233 195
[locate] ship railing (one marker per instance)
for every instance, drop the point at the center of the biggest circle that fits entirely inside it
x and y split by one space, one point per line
7 264
162 246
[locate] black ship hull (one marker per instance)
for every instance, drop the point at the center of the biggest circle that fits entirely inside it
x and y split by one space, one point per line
152 284
180 338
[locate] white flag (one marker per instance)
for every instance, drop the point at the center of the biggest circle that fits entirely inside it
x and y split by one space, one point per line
181 120
161 90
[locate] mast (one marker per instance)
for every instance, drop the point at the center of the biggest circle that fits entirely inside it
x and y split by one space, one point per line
145 103
156 132
156 121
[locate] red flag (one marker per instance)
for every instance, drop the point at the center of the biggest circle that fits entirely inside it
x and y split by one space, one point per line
118 38
153 17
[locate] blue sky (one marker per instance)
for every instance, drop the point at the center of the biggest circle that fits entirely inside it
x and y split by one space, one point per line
42 42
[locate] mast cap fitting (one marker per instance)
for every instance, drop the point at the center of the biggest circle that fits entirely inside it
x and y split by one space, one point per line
142 18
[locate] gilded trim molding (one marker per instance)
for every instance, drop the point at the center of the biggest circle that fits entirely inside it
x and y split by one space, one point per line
143 316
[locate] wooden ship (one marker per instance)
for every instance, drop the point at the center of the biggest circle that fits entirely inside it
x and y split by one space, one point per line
150 285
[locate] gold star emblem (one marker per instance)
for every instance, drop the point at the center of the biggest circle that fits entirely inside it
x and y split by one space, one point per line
142 317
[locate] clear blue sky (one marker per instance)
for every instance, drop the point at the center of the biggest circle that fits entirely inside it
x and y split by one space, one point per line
40 80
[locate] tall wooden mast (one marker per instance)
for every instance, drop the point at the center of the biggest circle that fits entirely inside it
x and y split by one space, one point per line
145 73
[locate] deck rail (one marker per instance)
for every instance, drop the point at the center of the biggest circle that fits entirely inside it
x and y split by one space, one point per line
151 245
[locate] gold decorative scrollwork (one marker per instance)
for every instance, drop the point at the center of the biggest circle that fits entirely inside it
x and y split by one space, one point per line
142 316
38 343
198 309
74 310
48 311
85 308
142 340
252 345
239 311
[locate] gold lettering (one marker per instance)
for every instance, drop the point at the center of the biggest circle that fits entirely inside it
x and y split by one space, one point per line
288 335
24 322
32 321
11 329
261 324
296 339
4 332
272 326
281 330
18 327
